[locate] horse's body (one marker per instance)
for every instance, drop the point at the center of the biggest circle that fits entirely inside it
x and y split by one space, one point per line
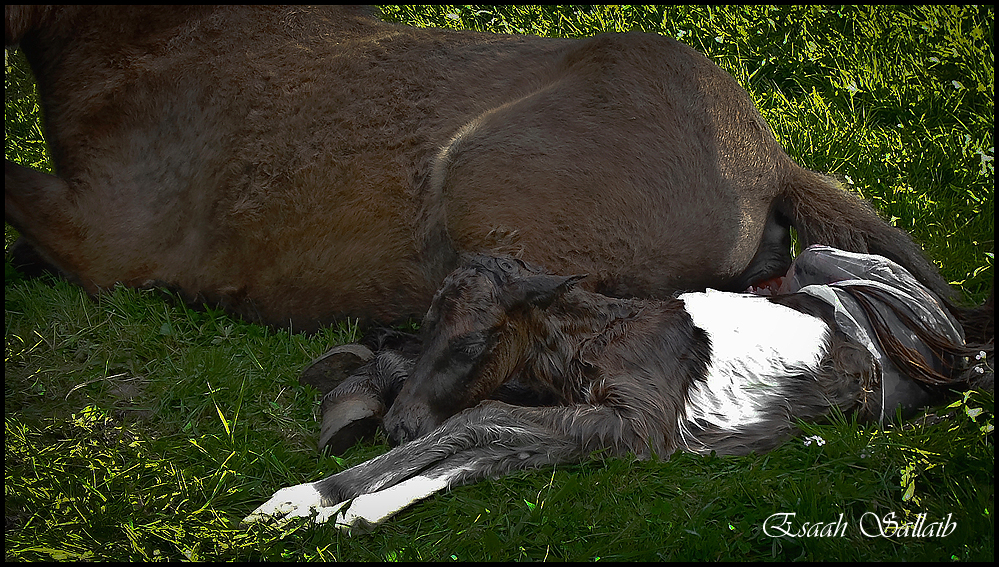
298 165
581 372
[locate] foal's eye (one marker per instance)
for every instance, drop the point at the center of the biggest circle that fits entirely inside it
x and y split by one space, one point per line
469 347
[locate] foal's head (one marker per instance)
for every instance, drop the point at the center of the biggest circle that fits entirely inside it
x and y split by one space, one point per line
475 337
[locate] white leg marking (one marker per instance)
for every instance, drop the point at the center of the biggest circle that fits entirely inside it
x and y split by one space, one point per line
376 507
299 501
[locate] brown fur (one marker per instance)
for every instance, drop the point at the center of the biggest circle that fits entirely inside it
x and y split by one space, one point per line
298 165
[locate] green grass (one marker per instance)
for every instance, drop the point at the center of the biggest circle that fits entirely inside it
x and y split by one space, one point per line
139 429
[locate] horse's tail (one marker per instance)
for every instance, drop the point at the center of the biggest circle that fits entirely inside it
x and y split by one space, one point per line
823 212
963 365
978 322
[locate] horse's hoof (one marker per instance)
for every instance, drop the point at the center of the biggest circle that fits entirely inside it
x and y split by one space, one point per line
333 367
347 420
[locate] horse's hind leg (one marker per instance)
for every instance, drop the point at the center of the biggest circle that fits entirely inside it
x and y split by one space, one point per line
40 207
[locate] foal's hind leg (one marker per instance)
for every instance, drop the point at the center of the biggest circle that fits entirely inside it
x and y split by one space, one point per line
488 440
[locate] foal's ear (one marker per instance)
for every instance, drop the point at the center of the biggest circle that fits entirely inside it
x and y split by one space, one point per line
539 291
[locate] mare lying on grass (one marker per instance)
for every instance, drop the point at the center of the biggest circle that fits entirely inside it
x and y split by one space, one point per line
579 372
298 165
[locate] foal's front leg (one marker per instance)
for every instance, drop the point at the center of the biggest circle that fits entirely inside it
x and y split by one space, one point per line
489 440
381 486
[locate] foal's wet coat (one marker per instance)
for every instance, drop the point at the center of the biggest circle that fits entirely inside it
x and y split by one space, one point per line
702 372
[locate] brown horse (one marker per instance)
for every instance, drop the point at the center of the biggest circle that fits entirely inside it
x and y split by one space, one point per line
297 165
519 368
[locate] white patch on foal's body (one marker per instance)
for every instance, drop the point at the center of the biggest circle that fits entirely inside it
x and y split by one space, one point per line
754 345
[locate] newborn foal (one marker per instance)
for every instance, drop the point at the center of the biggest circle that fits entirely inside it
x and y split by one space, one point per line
580 372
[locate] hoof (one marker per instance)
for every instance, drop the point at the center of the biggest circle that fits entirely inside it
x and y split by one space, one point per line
327 371
348 419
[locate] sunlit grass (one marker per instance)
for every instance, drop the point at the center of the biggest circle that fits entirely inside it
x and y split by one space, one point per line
138 429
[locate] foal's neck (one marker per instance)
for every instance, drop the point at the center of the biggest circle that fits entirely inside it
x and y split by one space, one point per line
563 331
